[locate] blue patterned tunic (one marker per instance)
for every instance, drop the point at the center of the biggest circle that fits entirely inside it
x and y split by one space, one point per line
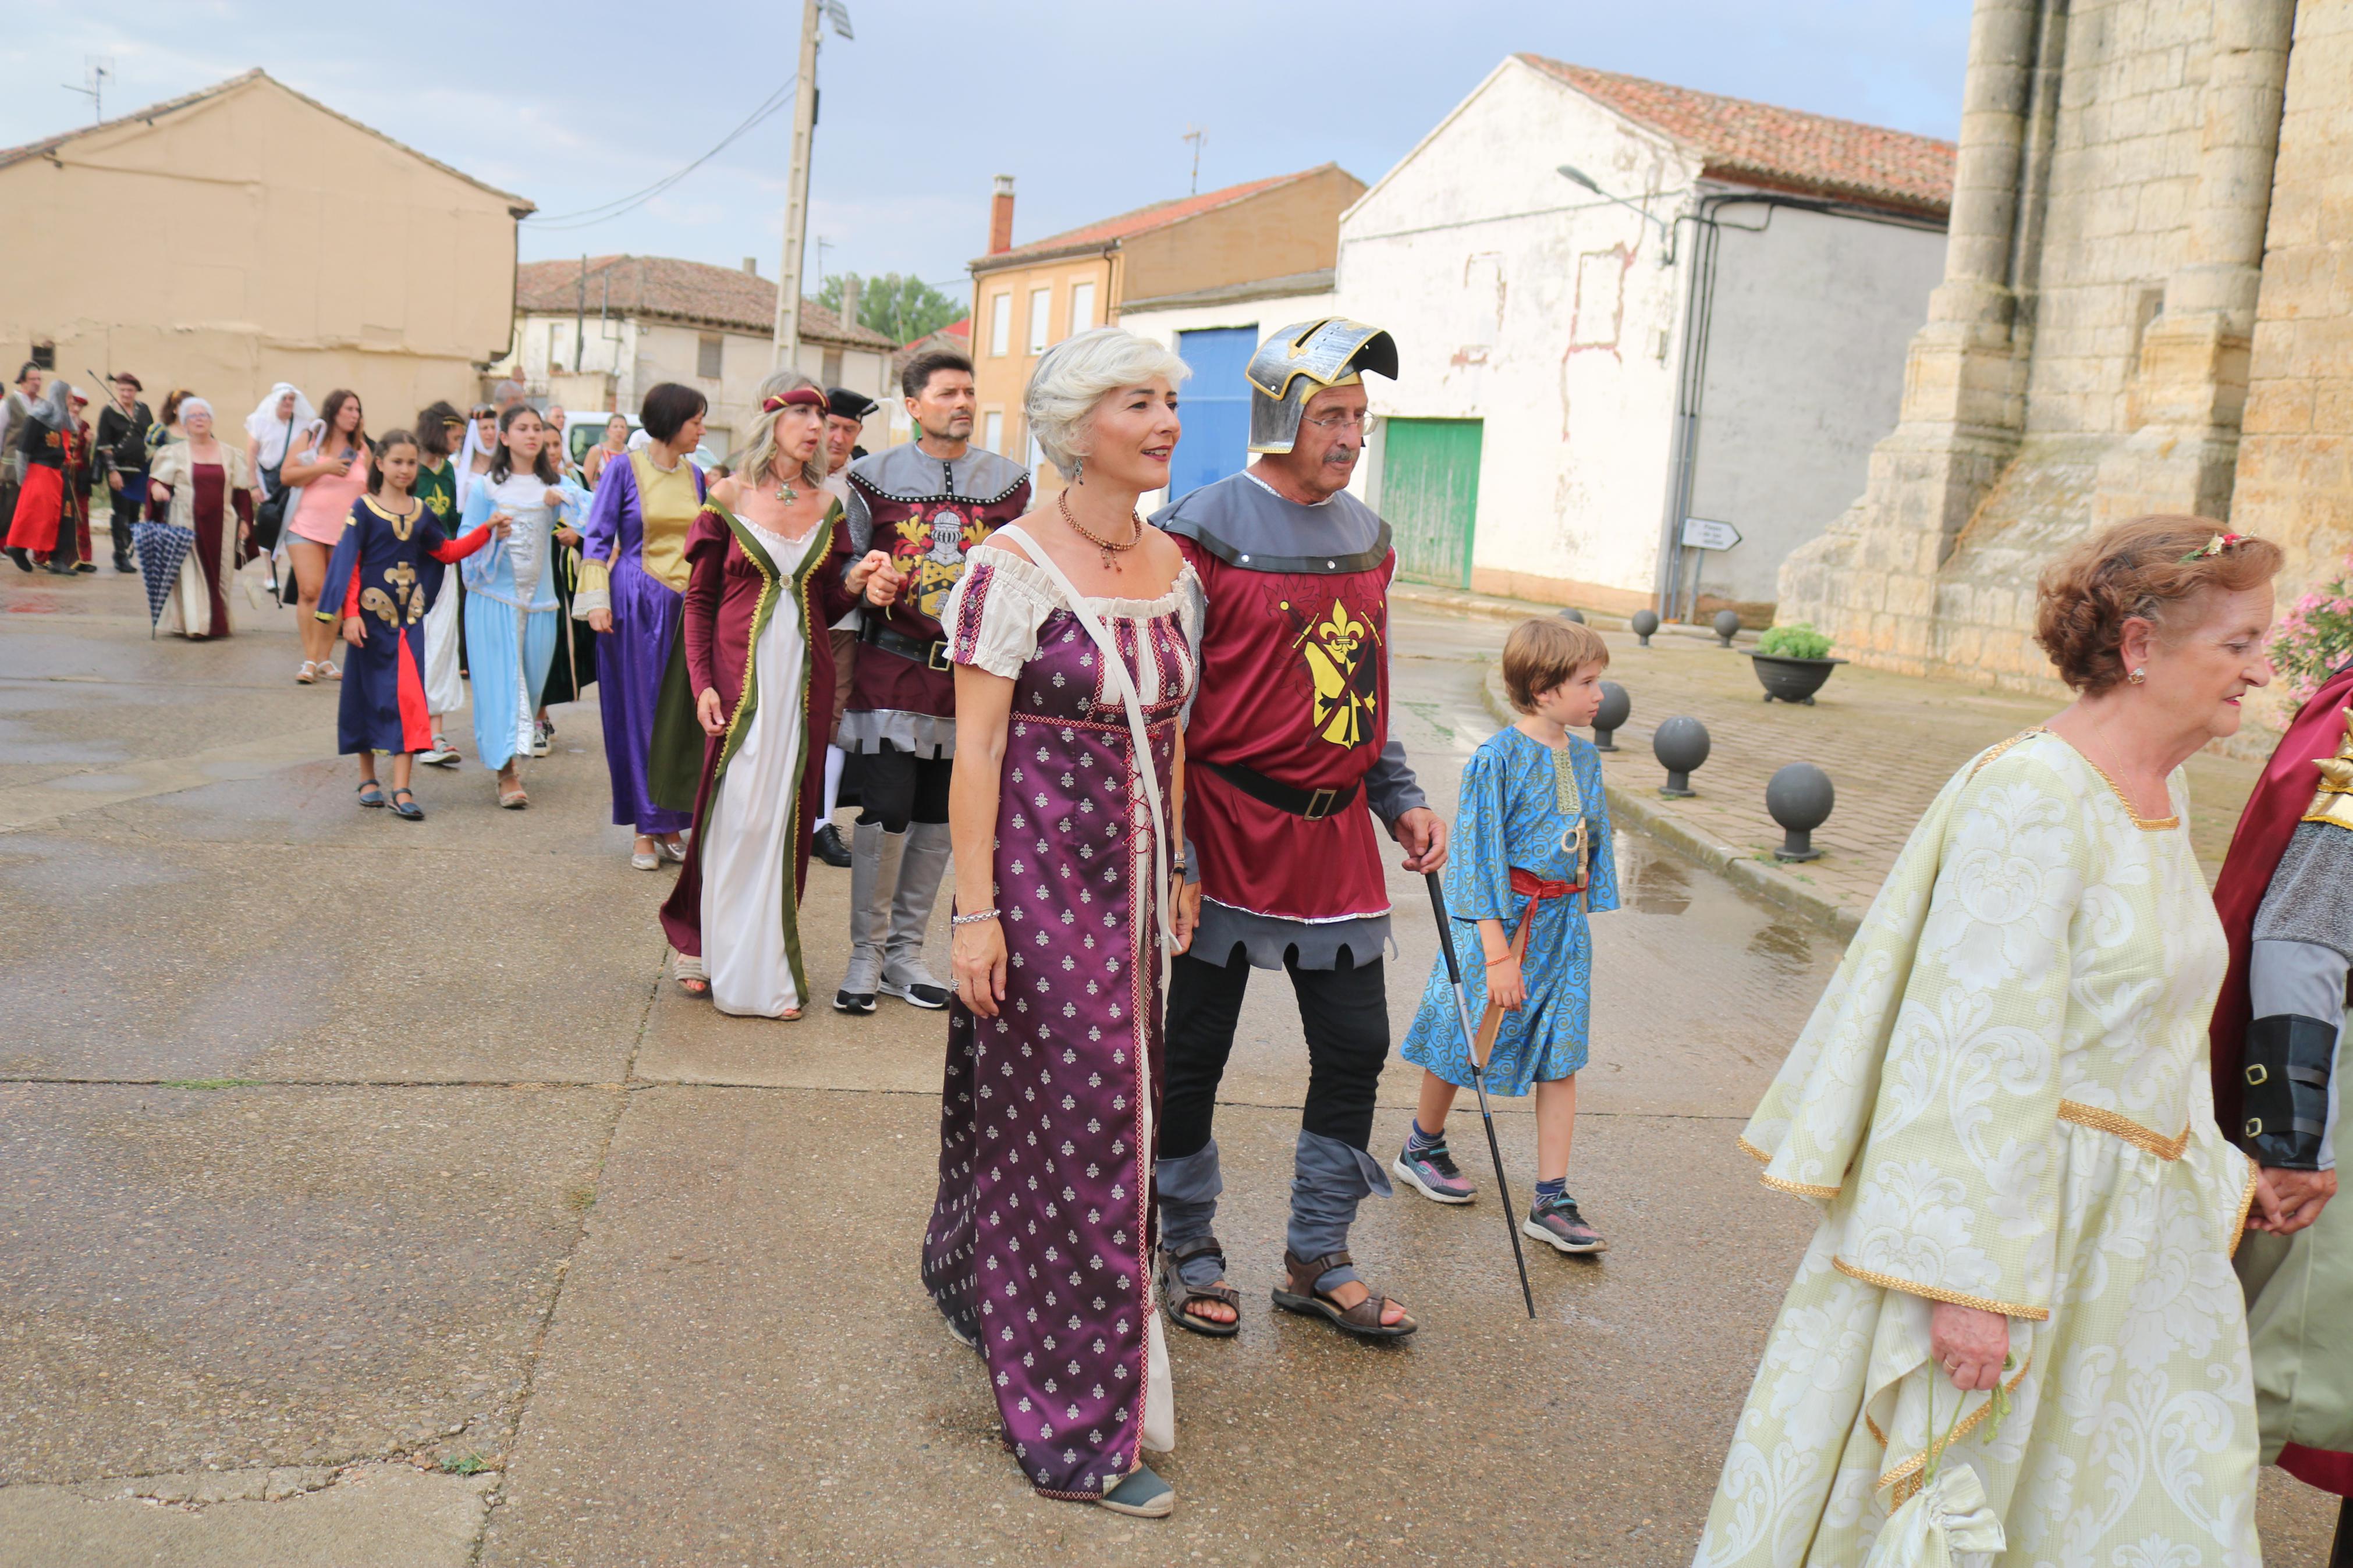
1511 814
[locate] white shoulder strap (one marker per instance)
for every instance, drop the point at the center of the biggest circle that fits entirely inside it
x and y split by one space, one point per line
1116 669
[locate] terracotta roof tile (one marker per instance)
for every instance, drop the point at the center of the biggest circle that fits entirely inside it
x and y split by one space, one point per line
1783 149
682 290
1143 220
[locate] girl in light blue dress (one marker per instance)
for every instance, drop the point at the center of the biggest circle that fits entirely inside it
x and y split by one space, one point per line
1530 857
511 604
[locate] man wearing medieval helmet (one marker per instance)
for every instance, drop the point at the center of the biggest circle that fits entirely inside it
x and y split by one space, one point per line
1289 765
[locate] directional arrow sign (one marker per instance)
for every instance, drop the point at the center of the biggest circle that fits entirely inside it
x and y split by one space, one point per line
1701 533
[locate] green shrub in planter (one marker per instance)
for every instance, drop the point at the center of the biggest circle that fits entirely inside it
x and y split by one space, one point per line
1798 640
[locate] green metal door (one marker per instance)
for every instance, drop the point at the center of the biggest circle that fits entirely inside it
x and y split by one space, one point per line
1429 493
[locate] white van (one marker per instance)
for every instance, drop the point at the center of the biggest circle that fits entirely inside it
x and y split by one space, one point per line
584 427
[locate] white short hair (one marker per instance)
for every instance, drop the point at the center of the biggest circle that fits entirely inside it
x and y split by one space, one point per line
1077 374
187 404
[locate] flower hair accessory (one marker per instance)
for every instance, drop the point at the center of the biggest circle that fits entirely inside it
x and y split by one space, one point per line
2215 546
810 398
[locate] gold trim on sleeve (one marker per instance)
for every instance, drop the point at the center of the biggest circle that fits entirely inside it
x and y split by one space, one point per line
2246 1202
1782 1183
1937 1293
1905 1478
2131 1132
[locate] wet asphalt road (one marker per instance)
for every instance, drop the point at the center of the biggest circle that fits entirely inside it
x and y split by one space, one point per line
347 1156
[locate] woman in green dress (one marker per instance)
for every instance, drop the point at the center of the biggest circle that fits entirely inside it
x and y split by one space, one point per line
2016 1326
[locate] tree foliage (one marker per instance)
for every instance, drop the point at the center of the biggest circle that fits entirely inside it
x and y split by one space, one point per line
901 308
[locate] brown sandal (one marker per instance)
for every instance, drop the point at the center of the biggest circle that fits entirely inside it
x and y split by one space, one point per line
1176 1296
1362 1319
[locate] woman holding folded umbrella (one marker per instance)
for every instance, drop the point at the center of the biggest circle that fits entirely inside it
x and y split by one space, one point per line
205 488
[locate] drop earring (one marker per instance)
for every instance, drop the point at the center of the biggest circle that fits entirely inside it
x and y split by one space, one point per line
1078 470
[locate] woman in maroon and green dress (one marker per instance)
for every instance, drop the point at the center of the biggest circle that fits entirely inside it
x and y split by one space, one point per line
757 594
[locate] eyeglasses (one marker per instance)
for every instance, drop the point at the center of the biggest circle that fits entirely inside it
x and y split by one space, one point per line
1364 421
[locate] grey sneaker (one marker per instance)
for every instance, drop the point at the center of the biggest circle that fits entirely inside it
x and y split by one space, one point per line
1556 1221
1433 1173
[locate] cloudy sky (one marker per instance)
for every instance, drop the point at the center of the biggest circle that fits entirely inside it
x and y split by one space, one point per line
1085 105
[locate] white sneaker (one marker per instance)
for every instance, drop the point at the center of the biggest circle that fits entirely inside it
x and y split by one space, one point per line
540 745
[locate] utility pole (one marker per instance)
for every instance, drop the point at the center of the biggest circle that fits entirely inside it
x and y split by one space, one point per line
580 320
788 274
1196 135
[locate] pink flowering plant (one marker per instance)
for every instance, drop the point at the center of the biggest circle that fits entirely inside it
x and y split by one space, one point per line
2314 637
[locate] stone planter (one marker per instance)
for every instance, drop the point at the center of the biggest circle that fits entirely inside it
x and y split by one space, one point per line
1792 679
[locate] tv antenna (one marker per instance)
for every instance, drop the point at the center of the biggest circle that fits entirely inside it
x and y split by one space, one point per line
1196 135
97 72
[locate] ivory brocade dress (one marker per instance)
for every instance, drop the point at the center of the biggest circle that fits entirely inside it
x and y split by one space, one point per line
2002 1100
1041 1242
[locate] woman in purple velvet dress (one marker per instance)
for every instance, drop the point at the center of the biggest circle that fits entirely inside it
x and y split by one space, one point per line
633 576
1075 634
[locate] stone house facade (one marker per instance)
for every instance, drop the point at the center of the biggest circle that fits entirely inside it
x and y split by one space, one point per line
2145 308
600 335
221 262
1028 297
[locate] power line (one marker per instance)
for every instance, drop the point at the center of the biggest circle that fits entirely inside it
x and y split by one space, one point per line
605 212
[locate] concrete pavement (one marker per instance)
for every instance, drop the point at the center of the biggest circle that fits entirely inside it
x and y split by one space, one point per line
349 1156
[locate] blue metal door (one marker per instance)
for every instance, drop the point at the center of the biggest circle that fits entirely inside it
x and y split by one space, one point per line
1215 401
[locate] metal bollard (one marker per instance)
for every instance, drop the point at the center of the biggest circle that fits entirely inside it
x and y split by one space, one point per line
1610 716
1644 622
1799 798
1680 745
1727 622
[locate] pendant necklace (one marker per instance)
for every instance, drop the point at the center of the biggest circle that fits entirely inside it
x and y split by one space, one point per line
784 491
1109 548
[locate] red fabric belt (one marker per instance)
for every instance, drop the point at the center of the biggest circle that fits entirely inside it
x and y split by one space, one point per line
1535 889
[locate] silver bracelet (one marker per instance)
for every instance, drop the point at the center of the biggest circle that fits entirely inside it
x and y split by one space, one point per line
972 919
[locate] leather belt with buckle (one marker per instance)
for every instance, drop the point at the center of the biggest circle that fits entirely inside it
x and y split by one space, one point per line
1314 804
931 653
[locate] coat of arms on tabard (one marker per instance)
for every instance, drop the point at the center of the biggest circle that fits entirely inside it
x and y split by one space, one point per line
932 552
1338 648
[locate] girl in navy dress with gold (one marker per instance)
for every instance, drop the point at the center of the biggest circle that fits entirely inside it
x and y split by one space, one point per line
383 577
1531 859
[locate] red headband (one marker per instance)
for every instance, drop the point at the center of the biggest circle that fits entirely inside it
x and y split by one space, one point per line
807 396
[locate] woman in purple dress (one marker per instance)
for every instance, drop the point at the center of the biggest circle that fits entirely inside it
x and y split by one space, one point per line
1075 634
633 577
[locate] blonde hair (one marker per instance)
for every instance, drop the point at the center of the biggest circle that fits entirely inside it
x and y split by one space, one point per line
1077 374
753 463
1542 654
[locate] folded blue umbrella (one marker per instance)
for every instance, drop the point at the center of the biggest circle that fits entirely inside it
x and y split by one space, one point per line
162 548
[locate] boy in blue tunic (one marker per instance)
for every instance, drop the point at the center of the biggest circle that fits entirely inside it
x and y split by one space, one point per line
1532 857
387 568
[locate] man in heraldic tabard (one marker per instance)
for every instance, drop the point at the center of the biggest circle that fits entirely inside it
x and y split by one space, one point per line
2286 896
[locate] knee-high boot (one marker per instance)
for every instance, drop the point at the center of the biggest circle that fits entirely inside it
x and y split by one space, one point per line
875 859
921 870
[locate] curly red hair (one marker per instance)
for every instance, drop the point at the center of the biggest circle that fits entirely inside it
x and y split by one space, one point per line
2151 568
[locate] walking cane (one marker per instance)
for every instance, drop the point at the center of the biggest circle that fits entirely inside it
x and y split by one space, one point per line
1479 1082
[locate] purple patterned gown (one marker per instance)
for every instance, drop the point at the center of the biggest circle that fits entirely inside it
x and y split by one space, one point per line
1039 1245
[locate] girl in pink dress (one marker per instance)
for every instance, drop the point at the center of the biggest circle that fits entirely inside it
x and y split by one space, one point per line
329 463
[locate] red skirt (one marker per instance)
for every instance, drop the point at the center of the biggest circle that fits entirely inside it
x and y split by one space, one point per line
39 505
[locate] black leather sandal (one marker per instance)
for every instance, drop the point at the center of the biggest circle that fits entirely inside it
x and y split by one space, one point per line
1176 1296
1362 1319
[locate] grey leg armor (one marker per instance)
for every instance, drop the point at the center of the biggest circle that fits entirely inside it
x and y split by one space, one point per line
1189 1208
1328 1179
874 862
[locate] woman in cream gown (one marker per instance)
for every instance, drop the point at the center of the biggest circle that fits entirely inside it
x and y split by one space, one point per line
2017 1324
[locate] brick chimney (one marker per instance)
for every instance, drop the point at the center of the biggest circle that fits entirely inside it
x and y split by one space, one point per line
752 265
1001 216
851 288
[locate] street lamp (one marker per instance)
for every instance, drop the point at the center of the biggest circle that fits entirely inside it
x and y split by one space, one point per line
1578 176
